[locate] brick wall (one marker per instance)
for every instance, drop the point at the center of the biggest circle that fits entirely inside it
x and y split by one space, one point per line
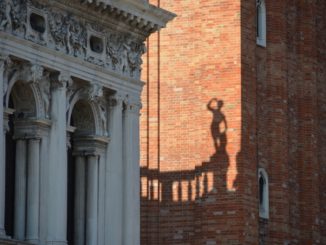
272 100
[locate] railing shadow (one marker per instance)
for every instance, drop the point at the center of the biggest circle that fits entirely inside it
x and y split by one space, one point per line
180 204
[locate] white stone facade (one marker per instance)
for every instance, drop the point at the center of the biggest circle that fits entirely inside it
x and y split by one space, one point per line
70 83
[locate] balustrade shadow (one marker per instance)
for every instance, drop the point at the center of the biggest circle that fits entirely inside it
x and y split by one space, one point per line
190 206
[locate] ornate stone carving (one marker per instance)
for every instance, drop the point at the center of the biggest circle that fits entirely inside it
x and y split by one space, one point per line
134 58
60 80
113 50
66 33
132 104
44 87
59 30
76 38
5 19
116 100
96 95
18 13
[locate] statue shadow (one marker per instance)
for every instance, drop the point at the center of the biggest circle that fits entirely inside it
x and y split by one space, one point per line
182 206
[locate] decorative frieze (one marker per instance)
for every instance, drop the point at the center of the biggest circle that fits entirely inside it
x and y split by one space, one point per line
66 33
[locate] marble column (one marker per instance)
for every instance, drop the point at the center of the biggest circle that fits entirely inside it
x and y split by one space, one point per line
80 198
114 174
101 200
131 174
33 190
2 152
91 200
20 190
58 170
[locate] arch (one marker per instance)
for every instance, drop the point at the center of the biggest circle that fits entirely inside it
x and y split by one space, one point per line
24 100
263 187
97 107
83 118
22 75
261 22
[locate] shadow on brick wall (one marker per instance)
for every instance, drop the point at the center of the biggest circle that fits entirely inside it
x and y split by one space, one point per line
191 206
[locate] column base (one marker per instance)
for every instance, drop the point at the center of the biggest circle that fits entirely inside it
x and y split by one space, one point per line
3 234
33 241
57 242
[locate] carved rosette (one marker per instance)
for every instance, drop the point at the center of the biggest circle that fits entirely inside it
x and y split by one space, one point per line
66 33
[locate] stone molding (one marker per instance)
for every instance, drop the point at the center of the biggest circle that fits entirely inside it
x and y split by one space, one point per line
90 145
138 13
31 129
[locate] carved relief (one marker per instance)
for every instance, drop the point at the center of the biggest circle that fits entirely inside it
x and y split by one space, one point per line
96 95
5 19
59 31
134 58
18 14
63 32
76 37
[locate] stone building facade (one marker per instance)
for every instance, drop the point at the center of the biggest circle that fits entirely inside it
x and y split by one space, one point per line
69 121
233 124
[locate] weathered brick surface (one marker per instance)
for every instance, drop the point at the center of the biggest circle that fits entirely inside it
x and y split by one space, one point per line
274 104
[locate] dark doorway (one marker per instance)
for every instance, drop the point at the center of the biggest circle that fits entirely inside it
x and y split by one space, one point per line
10 176
71 194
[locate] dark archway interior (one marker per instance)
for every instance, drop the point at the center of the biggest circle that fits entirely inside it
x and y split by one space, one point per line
83 120
22 100
10 175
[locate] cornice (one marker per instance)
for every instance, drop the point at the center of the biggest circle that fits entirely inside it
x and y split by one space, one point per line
138 13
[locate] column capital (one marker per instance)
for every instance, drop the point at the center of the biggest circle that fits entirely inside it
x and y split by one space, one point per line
61 80
132 104
116 99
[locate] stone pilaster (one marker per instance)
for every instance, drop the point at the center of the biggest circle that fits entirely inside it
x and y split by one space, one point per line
114 173
2 149
131 218
57 183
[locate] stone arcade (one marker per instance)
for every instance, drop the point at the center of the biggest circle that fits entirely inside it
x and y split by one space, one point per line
69 122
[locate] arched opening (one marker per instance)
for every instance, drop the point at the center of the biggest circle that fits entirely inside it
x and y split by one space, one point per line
263 194
261 22
21 105
82 120
10 174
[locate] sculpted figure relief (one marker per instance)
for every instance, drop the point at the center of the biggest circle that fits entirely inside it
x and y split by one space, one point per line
5 20
58 30
134 58
76 36
113 50
18 16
